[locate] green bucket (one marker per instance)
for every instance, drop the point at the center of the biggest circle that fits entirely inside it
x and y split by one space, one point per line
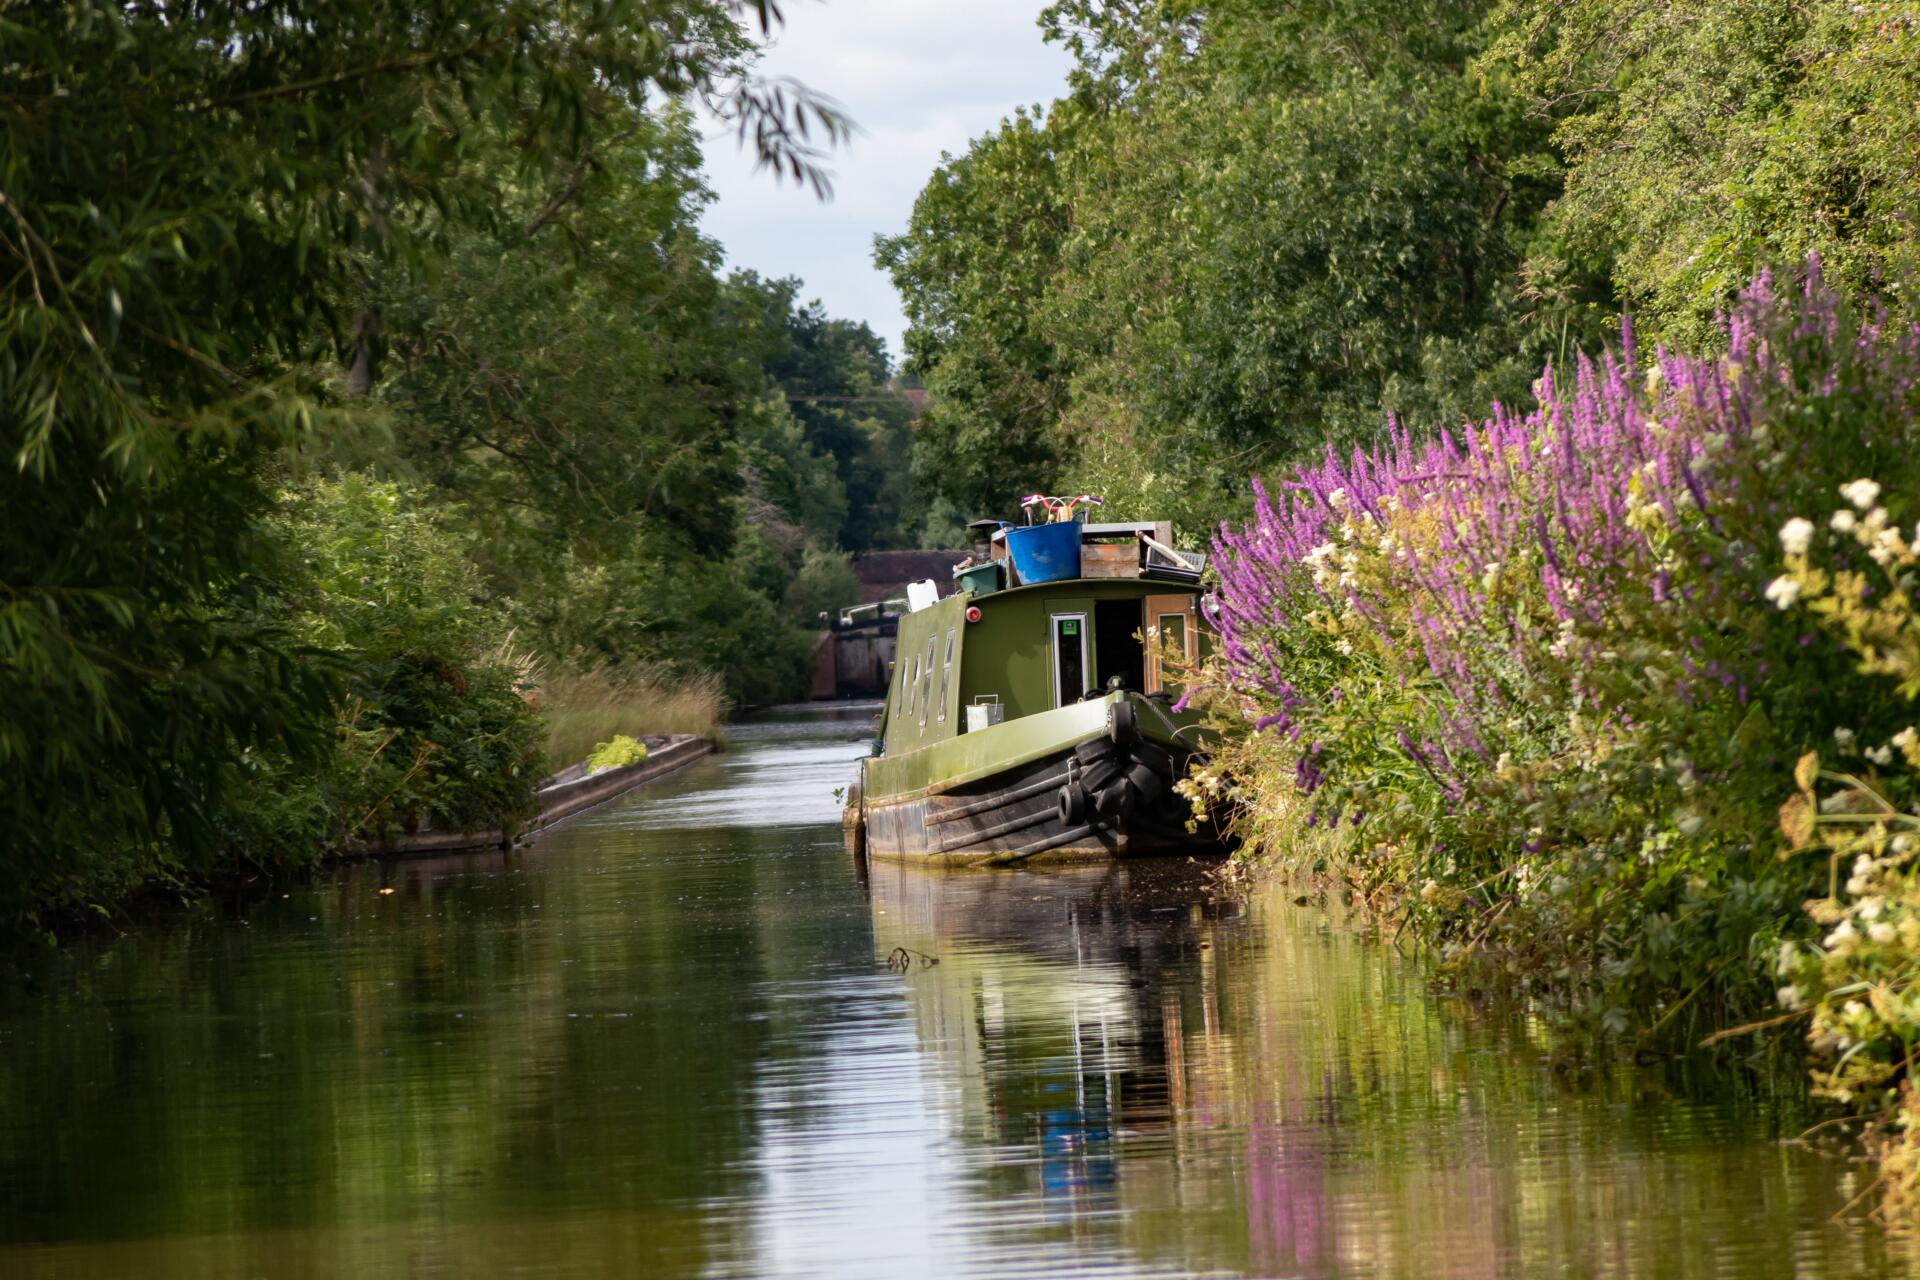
980 580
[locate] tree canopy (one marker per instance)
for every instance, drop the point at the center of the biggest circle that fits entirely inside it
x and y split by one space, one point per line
242 241
1247 234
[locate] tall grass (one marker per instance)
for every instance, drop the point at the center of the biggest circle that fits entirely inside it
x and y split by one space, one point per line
584 709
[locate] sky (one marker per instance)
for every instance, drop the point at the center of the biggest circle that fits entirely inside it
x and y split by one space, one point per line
918 77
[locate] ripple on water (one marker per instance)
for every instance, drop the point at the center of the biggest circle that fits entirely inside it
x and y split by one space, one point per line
663 1040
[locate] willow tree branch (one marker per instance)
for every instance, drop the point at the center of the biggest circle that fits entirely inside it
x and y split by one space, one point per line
575 180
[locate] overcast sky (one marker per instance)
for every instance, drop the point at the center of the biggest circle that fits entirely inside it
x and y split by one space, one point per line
919 77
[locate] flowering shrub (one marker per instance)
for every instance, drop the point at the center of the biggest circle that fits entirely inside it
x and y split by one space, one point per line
1856 980
1532 677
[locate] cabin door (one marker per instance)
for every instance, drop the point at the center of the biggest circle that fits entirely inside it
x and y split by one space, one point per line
1069 657
1173 627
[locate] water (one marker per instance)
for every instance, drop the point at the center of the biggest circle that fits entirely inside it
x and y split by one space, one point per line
665 1041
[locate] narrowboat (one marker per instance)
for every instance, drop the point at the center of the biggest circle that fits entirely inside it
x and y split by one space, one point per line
1029 714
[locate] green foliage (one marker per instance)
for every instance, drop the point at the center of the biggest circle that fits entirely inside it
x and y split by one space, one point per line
973 268
649 474
1859 583
617 754
1331 255
795 496
569 380
197 209
1245 234
435 730
825 584
835 378
658 606
1704 141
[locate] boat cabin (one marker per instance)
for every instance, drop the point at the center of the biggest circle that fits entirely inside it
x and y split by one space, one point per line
1041 617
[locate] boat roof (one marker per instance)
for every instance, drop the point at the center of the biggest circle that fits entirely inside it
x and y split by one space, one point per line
1146 587
1111 527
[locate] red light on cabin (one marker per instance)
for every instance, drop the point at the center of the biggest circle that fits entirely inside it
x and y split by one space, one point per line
973 613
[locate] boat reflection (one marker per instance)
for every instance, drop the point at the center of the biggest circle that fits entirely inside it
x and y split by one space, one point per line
1073 1018
1166 1077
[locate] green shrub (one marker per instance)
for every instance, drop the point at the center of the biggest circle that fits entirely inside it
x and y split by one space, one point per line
617 754
659 607
435 731
585 708
825 584
1855 576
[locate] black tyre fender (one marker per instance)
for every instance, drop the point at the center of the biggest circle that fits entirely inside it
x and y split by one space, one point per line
1156 758
1072 804
1121 727
1101 772
1094 749
1114 801
1145 781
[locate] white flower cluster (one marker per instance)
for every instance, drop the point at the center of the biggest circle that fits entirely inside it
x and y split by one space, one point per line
1885 542
1861 493
1316 562
1564 641
1795 535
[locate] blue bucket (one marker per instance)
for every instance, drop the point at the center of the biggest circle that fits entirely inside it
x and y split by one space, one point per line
1045 552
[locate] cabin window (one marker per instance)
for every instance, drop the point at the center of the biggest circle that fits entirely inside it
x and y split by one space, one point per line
909 685
946 677
1172 635
926 689
1069 657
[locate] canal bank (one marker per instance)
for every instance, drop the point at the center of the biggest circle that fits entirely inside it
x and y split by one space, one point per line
666 1040
572 791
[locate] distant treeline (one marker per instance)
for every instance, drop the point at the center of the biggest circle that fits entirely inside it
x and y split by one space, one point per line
1249 231
366 380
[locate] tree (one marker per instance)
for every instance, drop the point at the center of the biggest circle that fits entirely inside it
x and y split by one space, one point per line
1245 234
835 379
978 258
1706 141
586 373
197 206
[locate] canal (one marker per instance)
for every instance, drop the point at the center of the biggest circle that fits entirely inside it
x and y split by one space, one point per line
666 1040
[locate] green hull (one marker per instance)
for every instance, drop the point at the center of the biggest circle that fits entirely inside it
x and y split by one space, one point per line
1065 773
1085 781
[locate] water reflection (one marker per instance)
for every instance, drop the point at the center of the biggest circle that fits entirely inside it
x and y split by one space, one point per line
1213 1087
664 1041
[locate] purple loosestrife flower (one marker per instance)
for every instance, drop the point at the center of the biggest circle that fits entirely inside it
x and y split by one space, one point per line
1549 490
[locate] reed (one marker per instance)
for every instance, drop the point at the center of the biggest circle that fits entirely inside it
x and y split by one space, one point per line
584 709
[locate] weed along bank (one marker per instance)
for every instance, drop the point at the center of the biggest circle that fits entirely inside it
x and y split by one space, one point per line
1032 713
